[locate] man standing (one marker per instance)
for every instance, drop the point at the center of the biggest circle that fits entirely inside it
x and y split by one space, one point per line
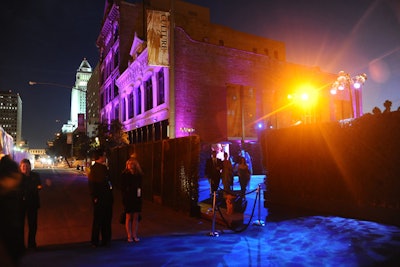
102 198
12 245
31 185
213 171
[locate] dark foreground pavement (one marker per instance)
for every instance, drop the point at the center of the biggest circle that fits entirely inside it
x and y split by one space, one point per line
170 238
183 241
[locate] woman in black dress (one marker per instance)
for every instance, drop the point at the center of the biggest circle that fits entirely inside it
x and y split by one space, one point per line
131 186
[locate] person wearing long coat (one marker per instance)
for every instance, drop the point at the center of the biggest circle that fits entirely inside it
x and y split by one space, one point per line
213 171
31 185
244 175
100 188
227 173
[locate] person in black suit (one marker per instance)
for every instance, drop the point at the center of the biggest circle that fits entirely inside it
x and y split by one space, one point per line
102 198
31 185
213 171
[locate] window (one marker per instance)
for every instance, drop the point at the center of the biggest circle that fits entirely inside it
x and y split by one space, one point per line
131 105
139 101
115 89
102 101
116 112
116 59
161 87
108 95
115 32
148 89
123 110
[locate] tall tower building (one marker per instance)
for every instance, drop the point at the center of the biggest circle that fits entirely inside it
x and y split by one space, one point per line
11 114
92 103
78 98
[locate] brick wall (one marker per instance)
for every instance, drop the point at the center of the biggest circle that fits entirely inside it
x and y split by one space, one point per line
202 73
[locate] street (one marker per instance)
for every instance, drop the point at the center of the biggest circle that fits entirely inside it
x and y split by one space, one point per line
65 215
171 238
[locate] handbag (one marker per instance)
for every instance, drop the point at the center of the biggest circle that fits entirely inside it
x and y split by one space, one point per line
122 217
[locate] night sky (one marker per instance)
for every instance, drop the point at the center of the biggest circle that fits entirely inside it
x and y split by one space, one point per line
46 40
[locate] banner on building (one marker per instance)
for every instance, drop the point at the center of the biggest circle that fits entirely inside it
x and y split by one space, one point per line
241 110
234 119
158 38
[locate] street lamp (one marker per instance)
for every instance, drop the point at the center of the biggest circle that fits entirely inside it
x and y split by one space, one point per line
31 83
52 84
353 85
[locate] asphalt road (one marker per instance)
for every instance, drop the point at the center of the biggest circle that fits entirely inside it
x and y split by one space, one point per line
170 238
65 215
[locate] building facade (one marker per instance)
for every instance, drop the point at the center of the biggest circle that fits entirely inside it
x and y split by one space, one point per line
220 84
11 114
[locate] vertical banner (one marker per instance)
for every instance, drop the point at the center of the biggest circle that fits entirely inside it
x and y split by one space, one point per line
249 111
241 110
233 120
158 38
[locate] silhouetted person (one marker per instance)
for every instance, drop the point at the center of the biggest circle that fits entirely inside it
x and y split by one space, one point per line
131 188
31 185
227 181
213 171
227 173
102 198
11 226
243 153
244 175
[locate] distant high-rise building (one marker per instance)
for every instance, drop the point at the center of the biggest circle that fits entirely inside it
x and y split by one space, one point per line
92 103
11 114
78 98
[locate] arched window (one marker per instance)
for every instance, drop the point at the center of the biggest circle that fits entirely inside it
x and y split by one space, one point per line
148 97
123 110
139 101
161 87
131 105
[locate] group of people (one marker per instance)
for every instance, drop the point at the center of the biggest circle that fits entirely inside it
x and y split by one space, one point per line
217 169
102 198
20 186
131 188
19 202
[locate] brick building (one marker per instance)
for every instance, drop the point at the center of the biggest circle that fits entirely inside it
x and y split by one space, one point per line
220 84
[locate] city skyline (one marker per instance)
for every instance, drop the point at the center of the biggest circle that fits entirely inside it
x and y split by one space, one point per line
48 46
